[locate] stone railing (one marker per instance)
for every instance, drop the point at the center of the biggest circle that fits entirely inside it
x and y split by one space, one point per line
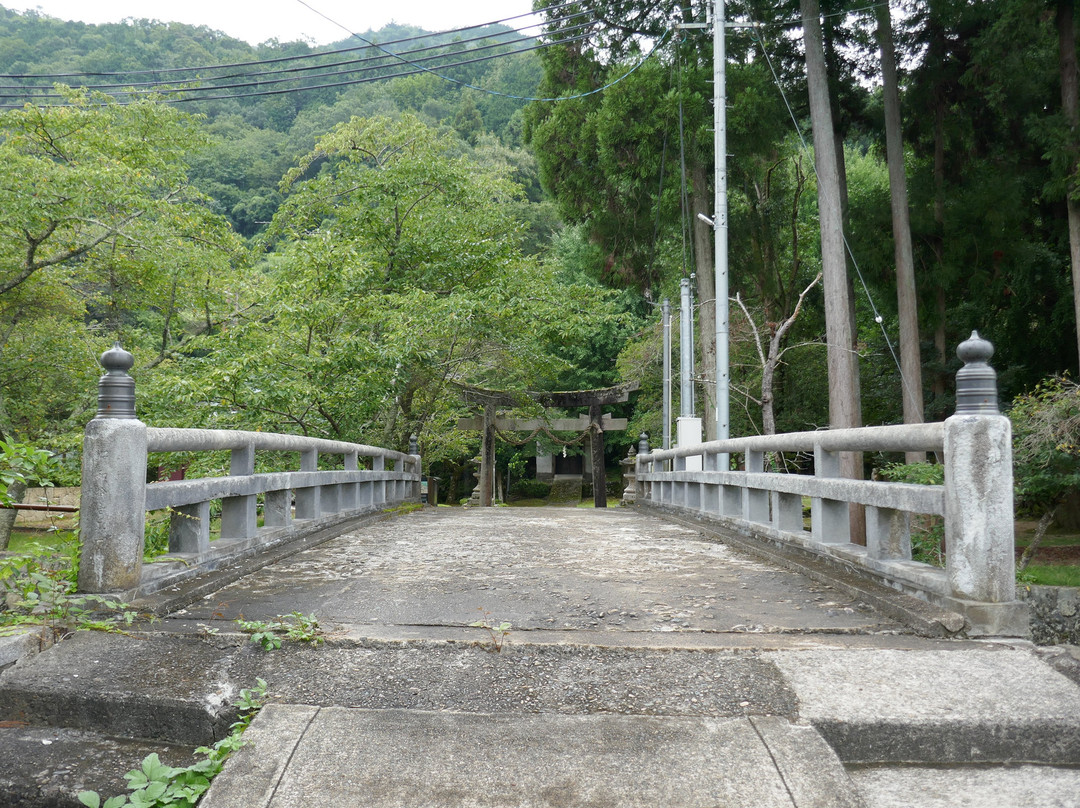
976 501
116 496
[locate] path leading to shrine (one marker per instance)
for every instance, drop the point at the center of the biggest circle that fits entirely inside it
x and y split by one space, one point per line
645 664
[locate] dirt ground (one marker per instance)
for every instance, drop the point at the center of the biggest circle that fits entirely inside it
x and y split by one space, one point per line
1054 555
1058 546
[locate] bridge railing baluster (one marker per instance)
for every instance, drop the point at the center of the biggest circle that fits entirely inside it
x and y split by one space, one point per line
975 502
116 496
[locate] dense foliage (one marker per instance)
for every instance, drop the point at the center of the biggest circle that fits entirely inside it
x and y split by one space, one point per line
1046 444
332 260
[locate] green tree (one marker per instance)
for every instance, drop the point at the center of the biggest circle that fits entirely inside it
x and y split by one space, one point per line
396 270
1046 451
99 231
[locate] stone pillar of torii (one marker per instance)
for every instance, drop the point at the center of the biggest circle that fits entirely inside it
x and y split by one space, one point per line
596 422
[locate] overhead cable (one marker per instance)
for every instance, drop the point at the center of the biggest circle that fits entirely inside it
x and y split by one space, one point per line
180 95
280 59
258 80
631 71
445 46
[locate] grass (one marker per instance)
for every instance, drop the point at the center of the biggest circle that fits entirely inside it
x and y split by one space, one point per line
22 540
1051 575
1048 574
1055 536
588 503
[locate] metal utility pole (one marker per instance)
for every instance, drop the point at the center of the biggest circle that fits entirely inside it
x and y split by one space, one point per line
688 425
666 308
686 352
720 220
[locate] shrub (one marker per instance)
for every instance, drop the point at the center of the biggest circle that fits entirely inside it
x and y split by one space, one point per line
1046 444
532 489
1046 451
25 465
916 473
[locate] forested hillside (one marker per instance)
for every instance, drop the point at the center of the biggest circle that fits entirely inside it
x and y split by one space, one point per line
326 240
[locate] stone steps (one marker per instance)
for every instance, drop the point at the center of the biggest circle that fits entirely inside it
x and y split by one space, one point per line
398 758
578 721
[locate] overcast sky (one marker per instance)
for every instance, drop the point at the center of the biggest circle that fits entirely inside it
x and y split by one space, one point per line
287 20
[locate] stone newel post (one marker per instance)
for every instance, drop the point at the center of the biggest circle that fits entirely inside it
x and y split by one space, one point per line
979 538
416 466
641 492
629 494
112 519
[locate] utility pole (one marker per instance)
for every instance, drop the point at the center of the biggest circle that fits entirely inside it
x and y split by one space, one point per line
666 309
720 220
686 352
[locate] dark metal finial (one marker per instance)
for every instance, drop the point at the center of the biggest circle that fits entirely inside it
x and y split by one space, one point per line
976 381
116 389
414 444
643 443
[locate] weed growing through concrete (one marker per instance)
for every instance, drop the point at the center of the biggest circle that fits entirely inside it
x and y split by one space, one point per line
155 785
295 627
498 632
37 588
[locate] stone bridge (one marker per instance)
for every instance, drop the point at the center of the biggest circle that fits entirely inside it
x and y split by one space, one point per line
646 663
704 648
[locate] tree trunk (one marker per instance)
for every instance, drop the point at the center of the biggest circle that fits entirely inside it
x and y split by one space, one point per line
1069 105
941 379
843 397
17 490
1036 540
844 406
906 302
706 292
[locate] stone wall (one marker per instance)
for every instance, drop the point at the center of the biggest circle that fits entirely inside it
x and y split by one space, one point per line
1055 613
46 519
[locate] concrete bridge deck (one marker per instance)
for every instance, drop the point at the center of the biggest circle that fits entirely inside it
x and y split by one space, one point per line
646 664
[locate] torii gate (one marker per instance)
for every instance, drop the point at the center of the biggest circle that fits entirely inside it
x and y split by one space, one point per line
595 421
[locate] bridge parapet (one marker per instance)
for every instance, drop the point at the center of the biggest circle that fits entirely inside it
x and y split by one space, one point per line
116 496
976 501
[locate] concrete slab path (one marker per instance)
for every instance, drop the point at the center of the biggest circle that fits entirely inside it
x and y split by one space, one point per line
611 570
616 616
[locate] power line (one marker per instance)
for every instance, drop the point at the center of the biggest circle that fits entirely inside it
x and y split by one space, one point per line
190 96
317 67
798 22
626 75
261 80
414 64
281 59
